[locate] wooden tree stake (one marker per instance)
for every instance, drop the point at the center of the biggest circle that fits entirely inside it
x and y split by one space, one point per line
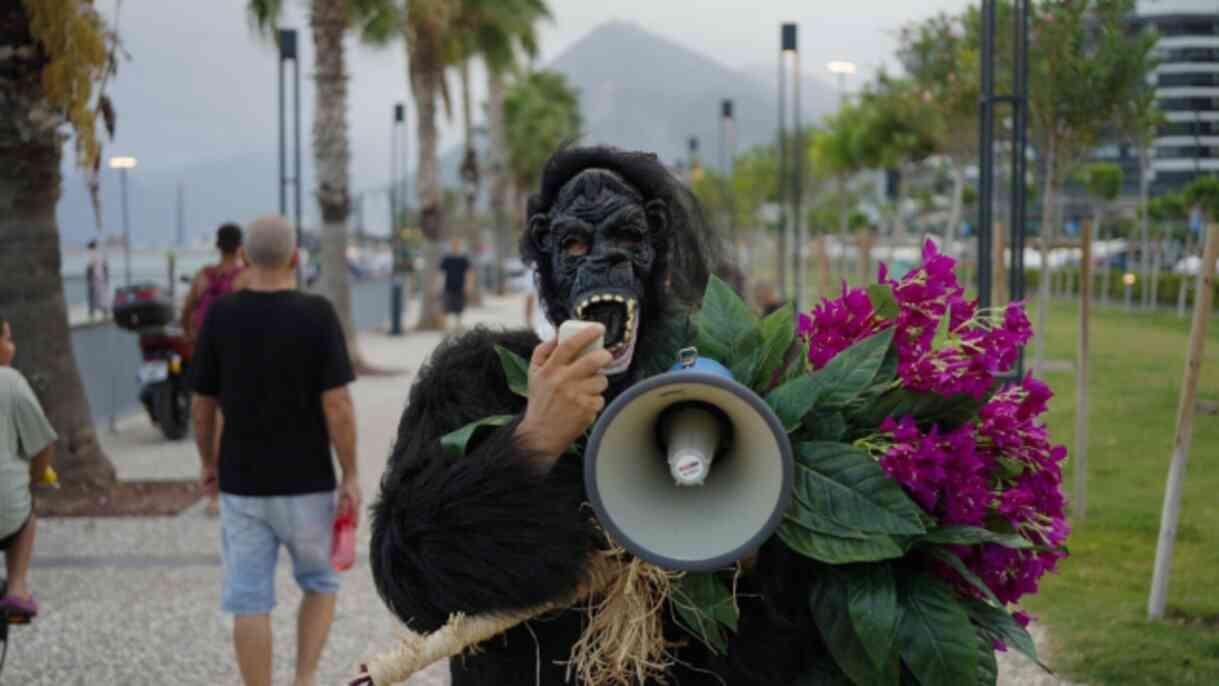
1171 514
1079 497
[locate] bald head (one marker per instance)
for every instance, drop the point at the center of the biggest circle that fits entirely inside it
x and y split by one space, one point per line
270 243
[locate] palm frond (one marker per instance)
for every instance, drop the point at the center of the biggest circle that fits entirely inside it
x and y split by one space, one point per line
263 17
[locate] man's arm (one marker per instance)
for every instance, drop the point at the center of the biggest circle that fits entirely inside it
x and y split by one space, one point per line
341 423
40 462
203 412
192 301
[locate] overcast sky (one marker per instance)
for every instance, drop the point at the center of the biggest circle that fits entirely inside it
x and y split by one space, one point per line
200 86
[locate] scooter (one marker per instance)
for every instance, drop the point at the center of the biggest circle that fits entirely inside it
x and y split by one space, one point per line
164 388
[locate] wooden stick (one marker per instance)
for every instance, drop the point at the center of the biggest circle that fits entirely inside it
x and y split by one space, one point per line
1079 497
415 652
1171 514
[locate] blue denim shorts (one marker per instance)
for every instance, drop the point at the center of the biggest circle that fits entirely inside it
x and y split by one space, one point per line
251 530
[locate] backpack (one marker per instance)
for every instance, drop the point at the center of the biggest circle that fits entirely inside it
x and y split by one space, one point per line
219 284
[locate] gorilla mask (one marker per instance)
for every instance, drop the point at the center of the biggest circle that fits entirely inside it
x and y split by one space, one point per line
618 240
597 239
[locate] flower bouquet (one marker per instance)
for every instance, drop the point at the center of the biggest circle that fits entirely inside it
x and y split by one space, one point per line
927 496
927 492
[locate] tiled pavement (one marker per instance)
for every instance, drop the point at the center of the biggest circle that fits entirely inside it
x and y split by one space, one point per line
136 601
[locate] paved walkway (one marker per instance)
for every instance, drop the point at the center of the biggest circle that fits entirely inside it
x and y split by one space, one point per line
135 601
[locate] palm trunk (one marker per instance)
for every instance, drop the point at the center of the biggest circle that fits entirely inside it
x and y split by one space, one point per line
1144 229
1047 236
499 173
31 291
332 158
469 177
426 71
844 227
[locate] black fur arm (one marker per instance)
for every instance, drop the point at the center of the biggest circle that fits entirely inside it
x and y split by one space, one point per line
481 533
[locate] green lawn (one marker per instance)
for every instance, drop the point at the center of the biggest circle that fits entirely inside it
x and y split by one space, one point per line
1096 606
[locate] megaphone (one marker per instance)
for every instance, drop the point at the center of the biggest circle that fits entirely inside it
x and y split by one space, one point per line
689 470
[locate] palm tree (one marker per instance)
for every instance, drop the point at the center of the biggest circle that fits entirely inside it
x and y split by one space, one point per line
495 30
427 27
38 100
328 22
541 113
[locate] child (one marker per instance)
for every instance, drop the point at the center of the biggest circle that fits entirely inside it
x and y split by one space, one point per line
26 444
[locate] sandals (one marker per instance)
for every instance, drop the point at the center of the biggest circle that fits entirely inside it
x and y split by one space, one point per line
20 608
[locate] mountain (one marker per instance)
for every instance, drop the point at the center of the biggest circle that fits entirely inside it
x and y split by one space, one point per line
639 90
643 91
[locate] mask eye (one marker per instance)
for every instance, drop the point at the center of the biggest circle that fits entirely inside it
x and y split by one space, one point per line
575 247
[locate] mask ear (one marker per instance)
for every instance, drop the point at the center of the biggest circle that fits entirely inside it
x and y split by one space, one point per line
539 233
658 217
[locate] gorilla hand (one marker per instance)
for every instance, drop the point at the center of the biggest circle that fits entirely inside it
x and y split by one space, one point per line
565 393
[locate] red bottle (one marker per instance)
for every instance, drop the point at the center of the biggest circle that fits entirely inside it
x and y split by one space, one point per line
343 543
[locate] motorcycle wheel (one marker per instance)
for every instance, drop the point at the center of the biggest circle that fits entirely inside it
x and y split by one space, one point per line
172 406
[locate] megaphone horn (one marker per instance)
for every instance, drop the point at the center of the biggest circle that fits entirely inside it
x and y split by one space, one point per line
689 469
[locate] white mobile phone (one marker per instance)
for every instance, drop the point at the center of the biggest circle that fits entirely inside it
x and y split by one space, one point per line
571 327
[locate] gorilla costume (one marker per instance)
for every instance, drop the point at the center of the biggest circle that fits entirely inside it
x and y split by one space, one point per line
491 531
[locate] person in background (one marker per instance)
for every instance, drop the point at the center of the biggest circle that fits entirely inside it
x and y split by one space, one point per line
97 282
456 280
27 443
212 282
275 361
215 280
535 314
765 299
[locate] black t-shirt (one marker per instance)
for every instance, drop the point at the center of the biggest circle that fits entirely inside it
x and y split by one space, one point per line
268 356
455 268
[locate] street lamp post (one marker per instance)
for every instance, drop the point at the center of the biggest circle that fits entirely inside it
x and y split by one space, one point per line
396 199
841 69
727 155
123 164
789 51
287 51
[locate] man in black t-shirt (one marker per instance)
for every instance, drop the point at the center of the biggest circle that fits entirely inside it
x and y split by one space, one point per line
458 278
275 362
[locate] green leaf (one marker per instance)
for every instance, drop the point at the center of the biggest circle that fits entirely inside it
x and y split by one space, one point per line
794 399
872 602
817 521
746 356
705 608
988 666
883 301
950 558
516 370
829 604
852 370
723 319
935 637
849 487
456 442
836 549
778 334
1012 468
972 535
948 412
823 673
827 426
996 623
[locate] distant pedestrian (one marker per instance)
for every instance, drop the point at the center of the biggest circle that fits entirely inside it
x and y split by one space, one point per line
275 361
27 443
97 282
765 299
215 280
457 280
211 283
535 314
